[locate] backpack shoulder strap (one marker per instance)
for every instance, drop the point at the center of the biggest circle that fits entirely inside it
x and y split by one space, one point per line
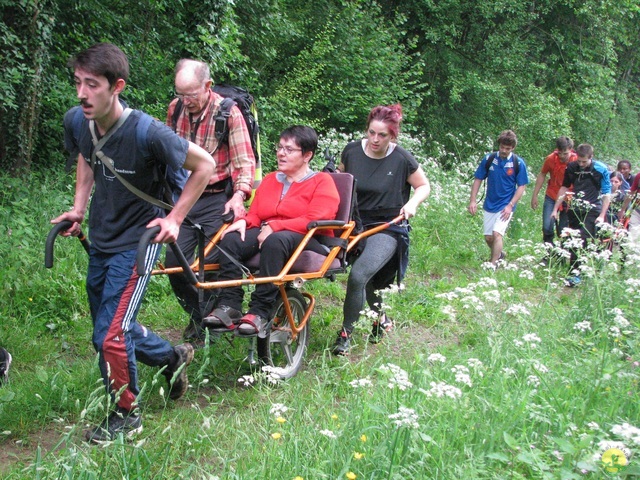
98 144
176 115
222 119
492 156
142 130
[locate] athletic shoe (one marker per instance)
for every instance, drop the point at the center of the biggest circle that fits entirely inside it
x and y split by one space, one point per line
572 281
5 363
342 344
120 421
194 332
380 327
176 371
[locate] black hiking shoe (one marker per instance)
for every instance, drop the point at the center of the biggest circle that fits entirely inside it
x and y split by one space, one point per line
381 326
120 421
176 371
342 344
5 363
194 333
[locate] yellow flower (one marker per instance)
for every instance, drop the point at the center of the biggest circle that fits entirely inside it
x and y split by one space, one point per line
298 478
281 419
334 416
363 438
358 455
351 476
276 435
613 457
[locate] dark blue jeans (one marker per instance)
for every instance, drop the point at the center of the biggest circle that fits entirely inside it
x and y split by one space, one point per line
550 228
115 292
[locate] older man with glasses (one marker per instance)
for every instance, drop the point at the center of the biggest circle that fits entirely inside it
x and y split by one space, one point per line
192 115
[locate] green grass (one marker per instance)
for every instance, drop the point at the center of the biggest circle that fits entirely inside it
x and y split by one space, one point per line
499 380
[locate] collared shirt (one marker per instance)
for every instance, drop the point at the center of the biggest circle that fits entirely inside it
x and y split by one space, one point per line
235 160
502 181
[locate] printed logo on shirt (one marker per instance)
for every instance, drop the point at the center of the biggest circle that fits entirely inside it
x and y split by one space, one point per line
509 168
390 174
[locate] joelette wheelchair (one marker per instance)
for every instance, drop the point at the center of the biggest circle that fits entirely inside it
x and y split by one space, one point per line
282 344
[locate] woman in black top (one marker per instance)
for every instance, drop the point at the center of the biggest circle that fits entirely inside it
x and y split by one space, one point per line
385 174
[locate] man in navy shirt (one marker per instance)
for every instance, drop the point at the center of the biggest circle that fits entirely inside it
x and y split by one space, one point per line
590 198
507 177
117 219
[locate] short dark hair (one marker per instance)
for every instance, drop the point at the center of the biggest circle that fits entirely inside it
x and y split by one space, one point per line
584 150
564 143
508 137
305 137
623 162
102 59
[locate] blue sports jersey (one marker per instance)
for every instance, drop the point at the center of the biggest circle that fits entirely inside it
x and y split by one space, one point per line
501 180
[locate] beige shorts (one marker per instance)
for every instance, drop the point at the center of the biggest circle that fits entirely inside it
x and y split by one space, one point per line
493 223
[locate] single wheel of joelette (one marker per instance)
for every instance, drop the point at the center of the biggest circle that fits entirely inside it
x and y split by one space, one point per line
279 349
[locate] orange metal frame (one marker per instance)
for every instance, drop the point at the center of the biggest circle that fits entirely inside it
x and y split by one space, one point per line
285 276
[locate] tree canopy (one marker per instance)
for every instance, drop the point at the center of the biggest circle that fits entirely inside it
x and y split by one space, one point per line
544 68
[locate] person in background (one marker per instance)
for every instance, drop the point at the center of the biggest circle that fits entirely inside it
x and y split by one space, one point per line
554 165
385 173
591 189
283 205
506 176
117 220
624 167
631 208
5 363
192 115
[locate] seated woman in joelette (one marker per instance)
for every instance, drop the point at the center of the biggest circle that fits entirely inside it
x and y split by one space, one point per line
284 204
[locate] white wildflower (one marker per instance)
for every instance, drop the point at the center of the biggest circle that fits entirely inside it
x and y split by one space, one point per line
399 378
278 409
517 310
628 432
246 380
533 380
441 389
527 274
328 434
436 357
584 326
406 417
361 382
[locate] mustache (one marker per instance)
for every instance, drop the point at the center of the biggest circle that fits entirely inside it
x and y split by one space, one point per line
84 103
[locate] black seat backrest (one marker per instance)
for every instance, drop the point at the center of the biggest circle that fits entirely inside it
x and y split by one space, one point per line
345 184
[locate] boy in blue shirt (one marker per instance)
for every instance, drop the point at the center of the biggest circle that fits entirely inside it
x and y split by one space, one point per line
507 177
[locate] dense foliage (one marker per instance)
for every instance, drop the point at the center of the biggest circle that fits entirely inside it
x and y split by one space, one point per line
543 68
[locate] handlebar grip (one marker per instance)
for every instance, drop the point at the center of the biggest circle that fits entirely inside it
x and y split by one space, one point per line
51 238
325 223
228 217
144 242
142 253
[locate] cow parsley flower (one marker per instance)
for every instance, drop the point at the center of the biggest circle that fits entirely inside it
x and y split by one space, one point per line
436 357
406 417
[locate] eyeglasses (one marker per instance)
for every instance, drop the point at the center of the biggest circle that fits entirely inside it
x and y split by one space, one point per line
187 96
287 150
